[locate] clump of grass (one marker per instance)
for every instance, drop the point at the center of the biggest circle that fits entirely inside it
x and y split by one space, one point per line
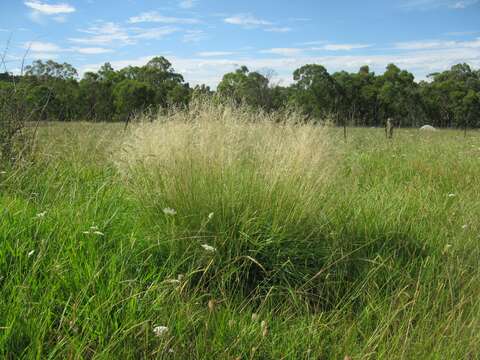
248 185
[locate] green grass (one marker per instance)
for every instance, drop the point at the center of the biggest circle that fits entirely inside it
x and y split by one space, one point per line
366 255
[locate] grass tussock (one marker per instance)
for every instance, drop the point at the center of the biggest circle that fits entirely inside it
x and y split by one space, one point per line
248 185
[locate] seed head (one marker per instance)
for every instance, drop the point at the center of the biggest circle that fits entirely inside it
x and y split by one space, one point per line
41 215
211 305
169 211
209 248
160 330
264 327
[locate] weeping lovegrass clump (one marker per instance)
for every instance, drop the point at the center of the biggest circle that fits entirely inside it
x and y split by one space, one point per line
248 184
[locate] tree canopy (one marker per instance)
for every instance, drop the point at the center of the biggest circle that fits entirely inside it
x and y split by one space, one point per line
446 99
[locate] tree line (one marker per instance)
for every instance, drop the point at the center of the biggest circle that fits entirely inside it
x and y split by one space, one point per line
53 91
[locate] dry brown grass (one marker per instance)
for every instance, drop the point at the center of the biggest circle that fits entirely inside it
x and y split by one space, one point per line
210 139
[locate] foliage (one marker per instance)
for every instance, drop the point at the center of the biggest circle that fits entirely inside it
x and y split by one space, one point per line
249 88
14 140
131 95
449 99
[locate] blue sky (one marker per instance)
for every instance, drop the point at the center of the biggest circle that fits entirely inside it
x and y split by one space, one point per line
206 38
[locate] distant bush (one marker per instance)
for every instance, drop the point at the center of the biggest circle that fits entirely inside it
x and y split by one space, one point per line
13 138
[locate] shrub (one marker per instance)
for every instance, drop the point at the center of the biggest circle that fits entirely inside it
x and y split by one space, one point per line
14 139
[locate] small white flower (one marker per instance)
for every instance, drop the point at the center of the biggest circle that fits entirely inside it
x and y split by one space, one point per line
172 281
464 227
169 211
210 216
451 195
180 277
30 253
41 215
160 330
209 248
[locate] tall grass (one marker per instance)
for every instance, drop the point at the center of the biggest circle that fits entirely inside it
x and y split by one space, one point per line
246 235
240 182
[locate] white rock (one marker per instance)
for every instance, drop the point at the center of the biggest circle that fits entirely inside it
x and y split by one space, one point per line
428 128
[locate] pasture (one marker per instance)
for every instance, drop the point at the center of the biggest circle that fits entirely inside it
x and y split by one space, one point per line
209 235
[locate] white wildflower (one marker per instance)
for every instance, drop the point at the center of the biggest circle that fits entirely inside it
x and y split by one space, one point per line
180 277
210 216
255 317
30 253
41 215
209 248
172 281
451 195
93 232
160 330
465 227
169 211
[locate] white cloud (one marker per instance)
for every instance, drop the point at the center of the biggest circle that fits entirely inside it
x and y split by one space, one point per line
109 33
432 4
153 16
283 51
192 36
153 33
187 4
50 9
41 47
300 19
462 4
313 43
214 53
279 29
92 50
47 49
341 47
104 34
461 33
60 18
436 44
247 21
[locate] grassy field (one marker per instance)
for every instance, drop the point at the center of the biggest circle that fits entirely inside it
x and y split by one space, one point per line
209 236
